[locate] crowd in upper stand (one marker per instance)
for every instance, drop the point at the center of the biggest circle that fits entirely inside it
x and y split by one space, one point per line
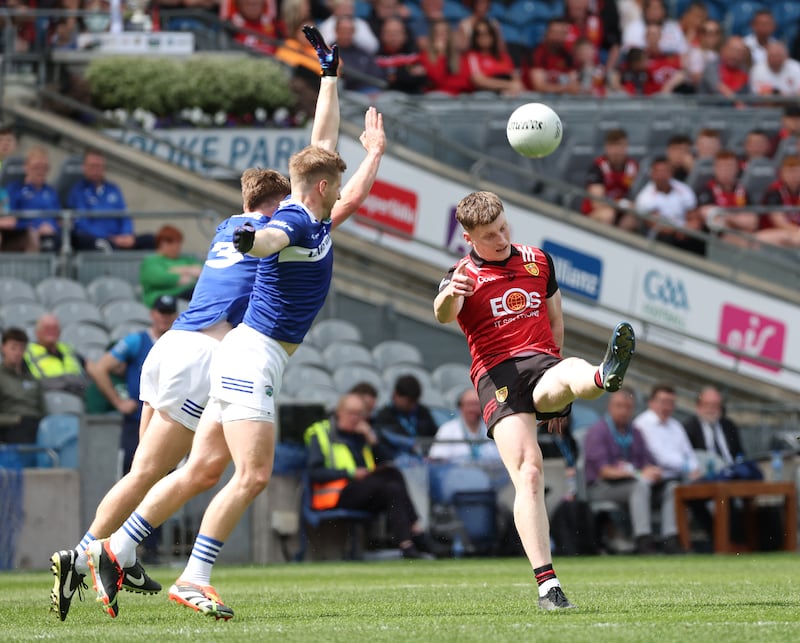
574 47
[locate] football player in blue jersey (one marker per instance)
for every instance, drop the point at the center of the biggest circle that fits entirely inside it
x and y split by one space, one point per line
175 381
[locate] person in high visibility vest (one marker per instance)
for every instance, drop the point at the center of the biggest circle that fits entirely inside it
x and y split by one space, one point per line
52 361
345 464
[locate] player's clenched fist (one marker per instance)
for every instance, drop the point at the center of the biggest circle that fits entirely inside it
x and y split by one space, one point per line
461 283
244 236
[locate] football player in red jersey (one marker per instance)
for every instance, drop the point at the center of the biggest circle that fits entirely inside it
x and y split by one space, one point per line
507 302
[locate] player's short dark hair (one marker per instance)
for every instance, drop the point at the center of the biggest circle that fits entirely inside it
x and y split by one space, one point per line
408 386
659 159
616 135
14 334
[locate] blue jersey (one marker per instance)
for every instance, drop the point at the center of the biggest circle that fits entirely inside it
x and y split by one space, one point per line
226 281
292 284
22 196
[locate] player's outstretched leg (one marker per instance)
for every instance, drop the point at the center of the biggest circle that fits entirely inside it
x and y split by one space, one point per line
620 350
106 575
67 580
136 579
203 599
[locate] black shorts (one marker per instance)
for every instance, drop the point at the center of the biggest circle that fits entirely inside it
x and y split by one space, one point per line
507 389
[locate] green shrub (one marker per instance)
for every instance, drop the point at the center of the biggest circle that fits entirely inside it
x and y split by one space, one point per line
166 86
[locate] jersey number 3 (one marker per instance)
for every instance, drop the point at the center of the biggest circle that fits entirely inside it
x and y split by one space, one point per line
224 255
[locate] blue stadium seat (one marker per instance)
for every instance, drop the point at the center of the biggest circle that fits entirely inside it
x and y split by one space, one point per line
737 20
311 518
787 17
523 12
59 432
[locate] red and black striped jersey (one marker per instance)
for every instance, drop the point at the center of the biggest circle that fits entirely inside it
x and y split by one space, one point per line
507 316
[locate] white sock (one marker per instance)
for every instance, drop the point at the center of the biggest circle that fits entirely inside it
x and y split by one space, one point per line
201 562
125 540
82 561
548 585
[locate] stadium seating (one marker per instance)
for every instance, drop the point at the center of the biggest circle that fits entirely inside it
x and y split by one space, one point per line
13 289
342 353
449 375
118 312
327 331
103 290
303 378
55 290
345 377
13 169
79 334
395 351
61 402
69 312
20 313
59 432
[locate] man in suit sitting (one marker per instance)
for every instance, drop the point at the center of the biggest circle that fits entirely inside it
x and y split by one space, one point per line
709 430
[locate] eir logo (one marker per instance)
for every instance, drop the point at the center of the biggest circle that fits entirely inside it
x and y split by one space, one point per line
750 334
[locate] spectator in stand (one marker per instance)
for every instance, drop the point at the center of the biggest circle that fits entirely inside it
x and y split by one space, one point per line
777 74
32 193
383 9
420 24
550 69
756 146
634 77
63 32
704 52
723 191
790 126
168 271
664 70
672 38
783 228
489 68
707 143
23 26
463 439
8 142
664 435
54 363
730 75
349 468
94 193
370 396
597 22
259 16
404 420
399 58
610 177
671 201
692 21
620 468
592 76
21 394
762 30
353 58
129 353
363 39
480 11
295 50
709 430
679 156
443 61
99 20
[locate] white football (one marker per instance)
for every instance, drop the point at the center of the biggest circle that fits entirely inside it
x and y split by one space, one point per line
534 130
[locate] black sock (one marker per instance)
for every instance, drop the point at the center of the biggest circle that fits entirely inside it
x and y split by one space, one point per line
544 574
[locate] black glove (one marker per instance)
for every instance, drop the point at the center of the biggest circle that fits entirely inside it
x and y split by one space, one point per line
244 237
328 56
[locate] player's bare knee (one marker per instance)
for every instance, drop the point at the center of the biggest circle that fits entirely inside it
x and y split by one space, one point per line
530 476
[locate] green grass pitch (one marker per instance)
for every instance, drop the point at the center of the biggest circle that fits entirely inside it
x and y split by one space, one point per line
686 598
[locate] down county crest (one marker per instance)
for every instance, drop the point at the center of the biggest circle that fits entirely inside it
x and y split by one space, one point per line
501 394
533 269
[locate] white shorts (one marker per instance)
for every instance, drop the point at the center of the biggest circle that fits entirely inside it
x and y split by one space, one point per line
247 371
175 375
